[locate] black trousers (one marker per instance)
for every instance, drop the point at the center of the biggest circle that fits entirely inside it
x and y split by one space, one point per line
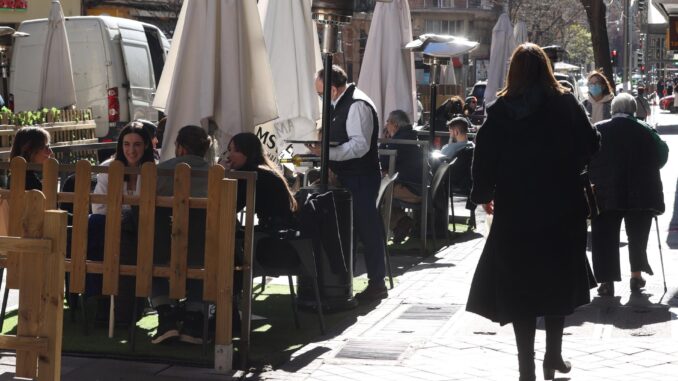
605 243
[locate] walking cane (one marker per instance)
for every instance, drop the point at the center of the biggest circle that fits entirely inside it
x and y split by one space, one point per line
661 255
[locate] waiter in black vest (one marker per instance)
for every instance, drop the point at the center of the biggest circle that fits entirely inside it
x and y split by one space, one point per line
355 162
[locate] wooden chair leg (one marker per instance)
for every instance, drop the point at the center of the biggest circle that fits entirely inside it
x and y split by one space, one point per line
319 305
454 225
294 302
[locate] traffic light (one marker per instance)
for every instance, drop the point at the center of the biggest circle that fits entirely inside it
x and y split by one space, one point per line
642 69
613 57
640 56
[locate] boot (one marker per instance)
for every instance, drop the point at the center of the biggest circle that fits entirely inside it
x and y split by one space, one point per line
526 366
553 359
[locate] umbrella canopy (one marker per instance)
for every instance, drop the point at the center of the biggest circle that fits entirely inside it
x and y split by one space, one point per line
387 73
57 88
217 71
503 44
294 53
520 33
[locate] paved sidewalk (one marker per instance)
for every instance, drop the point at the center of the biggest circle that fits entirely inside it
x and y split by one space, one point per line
421 332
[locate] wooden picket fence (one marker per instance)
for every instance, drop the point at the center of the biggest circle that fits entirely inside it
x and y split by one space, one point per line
220 206
41 245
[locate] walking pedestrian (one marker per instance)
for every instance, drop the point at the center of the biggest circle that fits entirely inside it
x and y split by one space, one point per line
628 187
600 95
643 109
534 261
355 161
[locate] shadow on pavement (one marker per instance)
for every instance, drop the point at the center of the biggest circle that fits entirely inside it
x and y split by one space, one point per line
672 237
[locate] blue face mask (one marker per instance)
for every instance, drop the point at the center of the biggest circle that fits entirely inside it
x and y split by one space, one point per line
596 90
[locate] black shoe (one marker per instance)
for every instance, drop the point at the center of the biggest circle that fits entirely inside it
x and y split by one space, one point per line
373 292
606 289
191 331
551 366
167 330
636 284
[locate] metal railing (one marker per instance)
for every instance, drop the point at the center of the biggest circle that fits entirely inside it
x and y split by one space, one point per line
452 4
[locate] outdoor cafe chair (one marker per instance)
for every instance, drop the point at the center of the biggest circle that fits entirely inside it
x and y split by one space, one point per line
286 254
384 202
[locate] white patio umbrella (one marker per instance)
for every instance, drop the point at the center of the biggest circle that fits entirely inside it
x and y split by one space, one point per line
217 70
387 73
520 33
503 44
57 88
294 53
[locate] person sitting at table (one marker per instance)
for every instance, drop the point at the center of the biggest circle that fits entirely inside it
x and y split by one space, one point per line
408 164
190 147
458 128
470 106
133 149
448 110
274 201
31 143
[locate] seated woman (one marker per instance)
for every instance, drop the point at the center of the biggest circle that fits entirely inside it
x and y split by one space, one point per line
274 201
32 143
134 148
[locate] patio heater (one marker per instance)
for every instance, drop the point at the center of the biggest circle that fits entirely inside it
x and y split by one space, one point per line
438 50
330 15
334 274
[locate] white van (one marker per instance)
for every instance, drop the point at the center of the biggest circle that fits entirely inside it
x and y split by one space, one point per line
117 63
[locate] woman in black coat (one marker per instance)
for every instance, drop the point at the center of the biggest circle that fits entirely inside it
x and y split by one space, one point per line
628 186
528 158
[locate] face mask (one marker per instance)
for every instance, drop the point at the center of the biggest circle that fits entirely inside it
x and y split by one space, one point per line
596 90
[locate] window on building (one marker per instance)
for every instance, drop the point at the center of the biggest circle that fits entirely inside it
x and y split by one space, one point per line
445 3
444 26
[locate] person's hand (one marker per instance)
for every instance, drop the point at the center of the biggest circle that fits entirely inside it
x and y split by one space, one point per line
489 207
315 149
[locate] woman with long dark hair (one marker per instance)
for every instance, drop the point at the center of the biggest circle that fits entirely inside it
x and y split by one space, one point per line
527 167
275 203
32 143
134 148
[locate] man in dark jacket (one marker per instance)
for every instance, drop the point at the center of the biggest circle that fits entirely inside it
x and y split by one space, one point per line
408 165
355 161
625 174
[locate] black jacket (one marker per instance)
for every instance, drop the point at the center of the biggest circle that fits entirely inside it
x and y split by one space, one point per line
626 170
528 157
408 161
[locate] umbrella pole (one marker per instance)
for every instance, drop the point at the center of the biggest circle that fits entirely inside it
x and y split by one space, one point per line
327 101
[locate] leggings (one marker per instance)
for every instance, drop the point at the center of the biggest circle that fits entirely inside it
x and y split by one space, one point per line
525 329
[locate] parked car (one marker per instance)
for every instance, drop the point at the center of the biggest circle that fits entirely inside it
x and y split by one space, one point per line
117 64
666 103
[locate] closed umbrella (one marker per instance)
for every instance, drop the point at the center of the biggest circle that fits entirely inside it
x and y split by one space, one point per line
217 71
57 88
387 73
520 33
294 53
503 44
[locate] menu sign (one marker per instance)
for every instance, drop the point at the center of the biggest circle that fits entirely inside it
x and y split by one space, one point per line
13 5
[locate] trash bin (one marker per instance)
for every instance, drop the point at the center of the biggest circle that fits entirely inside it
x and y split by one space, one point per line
336 288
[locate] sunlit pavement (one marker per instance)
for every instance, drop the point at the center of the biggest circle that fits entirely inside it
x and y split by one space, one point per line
421 332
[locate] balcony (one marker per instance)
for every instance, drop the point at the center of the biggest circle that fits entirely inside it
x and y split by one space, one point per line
452 5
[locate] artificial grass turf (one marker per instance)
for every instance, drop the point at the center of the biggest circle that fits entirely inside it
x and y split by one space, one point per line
273 339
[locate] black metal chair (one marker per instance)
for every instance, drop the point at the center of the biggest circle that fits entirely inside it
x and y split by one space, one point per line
384 201
287 255
460 184
438 195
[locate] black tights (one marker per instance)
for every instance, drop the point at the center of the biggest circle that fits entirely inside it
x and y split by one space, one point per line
525 330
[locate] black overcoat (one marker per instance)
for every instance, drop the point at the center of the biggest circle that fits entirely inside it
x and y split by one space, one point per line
626 170
528 158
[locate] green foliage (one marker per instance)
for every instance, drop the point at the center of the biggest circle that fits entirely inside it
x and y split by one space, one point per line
578 45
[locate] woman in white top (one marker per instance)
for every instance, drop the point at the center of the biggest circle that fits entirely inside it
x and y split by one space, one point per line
134 149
